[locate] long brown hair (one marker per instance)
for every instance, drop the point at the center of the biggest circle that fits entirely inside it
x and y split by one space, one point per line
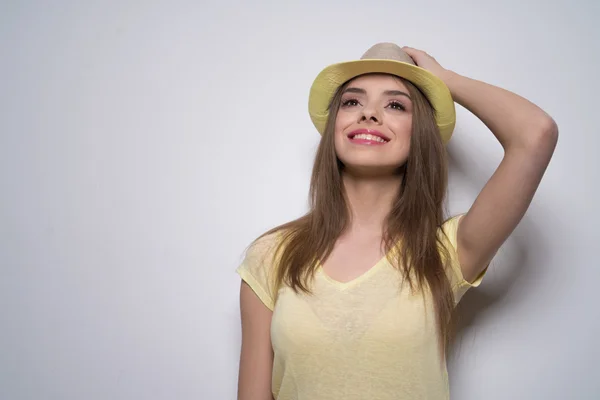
414 219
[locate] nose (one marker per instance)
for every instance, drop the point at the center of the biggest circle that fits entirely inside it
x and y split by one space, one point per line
370 114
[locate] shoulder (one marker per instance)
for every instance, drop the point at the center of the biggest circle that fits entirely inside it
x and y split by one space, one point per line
264 246
447 232
449 238
258 269
260 257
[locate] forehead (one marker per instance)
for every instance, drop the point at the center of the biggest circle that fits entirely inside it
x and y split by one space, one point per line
378 82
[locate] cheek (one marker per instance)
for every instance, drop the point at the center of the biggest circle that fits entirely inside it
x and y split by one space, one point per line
338 141
341 123
342 120
402 127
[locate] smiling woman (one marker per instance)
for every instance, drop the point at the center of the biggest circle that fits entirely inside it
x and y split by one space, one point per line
365 103
354 300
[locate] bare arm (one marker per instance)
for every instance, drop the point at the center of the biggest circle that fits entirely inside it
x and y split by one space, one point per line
528 136
256 358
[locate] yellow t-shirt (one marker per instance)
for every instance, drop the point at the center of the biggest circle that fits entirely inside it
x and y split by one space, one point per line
369 338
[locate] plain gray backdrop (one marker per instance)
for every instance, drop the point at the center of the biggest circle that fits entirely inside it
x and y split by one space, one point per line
143 145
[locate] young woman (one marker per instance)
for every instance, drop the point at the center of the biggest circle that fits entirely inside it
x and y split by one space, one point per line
354 300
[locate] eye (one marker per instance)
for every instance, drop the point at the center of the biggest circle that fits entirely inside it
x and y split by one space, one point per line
396 105
350 103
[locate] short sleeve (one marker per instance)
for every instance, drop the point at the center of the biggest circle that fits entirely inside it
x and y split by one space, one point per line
454 271
257 269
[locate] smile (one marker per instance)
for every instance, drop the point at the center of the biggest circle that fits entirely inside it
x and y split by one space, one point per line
368 137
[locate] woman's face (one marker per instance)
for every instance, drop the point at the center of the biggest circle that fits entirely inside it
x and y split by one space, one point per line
373 124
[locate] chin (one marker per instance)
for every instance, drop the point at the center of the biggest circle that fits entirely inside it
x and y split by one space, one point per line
372 161
373 156
371 167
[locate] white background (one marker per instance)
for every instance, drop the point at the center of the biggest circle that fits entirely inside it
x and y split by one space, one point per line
143 145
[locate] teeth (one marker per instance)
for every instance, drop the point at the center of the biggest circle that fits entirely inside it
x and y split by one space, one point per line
368 136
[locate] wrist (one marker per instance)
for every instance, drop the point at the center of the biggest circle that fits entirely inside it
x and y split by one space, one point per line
450 78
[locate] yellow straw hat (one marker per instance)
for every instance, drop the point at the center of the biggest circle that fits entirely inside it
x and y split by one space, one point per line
382 58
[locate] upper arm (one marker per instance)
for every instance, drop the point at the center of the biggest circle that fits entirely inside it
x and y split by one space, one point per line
256 358
500 206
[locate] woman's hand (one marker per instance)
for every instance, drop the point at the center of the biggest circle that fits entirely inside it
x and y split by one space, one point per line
424 60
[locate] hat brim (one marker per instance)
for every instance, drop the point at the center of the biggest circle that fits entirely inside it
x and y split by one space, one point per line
333 76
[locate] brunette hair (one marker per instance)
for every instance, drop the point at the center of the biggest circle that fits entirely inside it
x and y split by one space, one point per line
411 227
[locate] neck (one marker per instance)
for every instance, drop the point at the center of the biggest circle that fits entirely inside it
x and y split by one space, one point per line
370 200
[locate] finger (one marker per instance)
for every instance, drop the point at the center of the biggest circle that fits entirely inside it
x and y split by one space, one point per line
412 53
412 49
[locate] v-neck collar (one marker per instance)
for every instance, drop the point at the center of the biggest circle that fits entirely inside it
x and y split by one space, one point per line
362 277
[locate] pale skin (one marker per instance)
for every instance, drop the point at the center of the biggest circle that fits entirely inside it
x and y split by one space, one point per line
526 133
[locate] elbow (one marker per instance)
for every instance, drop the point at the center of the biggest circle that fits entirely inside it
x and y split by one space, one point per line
547 132
543 136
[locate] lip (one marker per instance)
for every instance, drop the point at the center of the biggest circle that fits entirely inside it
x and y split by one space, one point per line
370 132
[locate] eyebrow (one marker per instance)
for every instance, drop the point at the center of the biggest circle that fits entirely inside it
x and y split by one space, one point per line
387 92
